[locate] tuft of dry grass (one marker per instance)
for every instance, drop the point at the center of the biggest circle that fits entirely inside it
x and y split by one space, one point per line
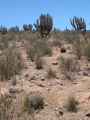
69 67
51 73
71 104
10 64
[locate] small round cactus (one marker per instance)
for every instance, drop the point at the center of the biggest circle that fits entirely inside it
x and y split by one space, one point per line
63 50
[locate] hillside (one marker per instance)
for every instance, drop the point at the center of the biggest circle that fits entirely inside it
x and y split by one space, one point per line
57 66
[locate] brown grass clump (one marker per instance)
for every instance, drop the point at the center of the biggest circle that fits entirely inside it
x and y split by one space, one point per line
71 104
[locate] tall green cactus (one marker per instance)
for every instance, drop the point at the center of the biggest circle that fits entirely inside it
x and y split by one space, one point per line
44 24
80 25
3 30
27 27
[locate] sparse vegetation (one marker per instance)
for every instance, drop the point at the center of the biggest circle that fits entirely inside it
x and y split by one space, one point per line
38 48
33 102
39 63
69 67
71 104
87 51
5 104
9 65
51 73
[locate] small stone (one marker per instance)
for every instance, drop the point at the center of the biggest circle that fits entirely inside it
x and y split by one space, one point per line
4 91
41 84
71 118
42 78
55 63
74 82
32 78
88 113
85 73
26 75
57 77
59 113
48 89
46 104
85 119
15 90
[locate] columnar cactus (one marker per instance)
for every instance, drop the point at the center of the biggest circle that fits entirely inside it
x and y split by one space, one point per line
14 29
45 25
79 24
3 30
27 27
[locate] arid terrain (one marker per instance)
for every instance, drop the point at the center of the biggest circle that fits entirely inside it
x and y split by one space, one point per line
56 87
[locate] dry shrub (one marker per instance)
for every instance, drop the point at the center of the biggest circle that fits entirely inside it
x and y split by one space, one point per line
71 104
69 67
10 65
51 73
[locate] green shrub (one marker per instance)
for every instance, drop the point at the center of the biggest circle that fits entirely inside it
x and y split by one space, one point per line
39 63
31 52
87 51
57 43
38 48
51 73
9 65
78 51
4 42
5 104
71 104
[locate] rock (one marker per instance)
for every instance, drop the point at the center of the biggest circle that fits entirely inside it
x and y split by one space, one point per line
84 119
88 113
4 91
59 113
42 78
85 73
15 90
85 98
26 75
32 78
55 63
46 104
35 100
48 89
71 118
41 84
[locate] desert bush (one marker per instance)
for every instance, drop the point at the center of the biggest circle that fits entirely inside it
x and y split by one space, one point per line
5 105
39 63
4 42
33 102
9 65
38 48
87 51
51 73
70 36
63 50
71 104
69 67
31 53
78 51
57 43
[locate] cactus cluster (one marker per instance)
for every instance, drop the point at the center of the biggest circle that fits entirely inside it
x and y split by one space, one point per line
14 29
27 27
3 30
80 25
44 25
